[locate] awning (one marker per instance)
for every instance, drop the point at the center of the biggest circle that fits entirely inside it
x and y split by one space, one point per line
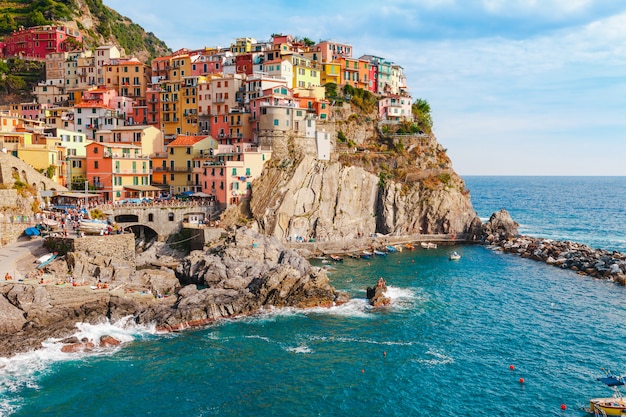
142 188
77 195
200 194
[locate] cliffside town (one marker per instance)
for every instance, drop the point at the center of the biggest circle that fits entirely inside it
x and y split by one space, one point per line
286 140
317 143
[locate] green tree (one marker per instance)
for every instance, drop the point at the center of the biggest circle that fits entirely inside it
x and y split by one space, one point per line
35 18
7 24
331 90
308 42
11 83
421 112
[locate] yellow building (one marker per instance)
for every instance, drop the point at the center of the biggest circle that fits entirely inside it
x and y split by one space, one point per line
179 98
180 159
305 72
242 45
331 73
48 158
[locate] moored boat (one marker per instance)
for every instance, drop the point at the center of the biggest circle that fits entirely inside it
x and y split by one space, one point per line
366 255
93 226
336 258
409 246
379 253
391 248
428 245
454 256
609 406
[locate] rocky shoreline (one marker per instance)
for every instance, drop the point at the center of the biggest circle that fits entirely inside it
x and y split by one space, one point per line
240 274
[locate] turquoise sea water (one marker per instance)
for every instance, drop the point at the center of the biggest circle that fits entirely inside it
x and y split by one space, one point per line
444 348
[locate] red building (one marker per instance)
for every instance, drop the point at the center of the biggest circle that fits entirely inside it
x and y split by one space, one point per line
243 64
38 41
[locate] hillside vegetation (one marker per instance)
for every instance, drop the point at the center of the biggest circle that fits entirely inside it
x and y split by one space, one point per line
98 23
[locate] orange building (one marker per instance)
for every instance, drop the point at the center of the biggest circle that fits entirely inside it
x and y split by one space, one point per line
117 170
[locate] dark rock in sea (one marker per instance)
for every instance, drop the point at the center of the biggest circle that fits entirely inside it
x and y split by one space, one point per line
377 295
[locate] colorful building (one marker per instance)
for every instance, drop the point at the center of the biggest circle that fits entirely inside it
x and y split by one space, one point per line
395 108
117 170
228 173
38 41
182 158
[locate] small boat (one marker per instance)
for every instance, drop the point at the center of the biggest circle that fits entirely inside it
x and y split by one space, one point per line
409 246
391 249
454 256
93 226
44 258
379 253
366 255
428 245
355 255
47 261
336 258
609 406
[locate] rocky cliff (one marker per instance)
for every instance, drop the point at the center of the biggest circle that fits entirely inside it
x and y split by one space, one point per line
380 183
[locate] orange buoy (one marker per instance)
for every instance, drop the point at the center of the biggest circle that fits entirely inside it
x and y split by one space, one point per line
521 380
362 371
511 367
563 407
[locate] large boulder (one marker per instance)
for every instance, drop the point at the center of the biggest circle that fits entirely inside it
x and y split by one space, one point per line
500 226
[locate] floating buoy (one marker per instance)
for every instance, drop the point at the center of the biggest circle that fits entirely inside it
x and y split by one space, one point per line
362 371
563 407
512 367
385 354
413 260
521 380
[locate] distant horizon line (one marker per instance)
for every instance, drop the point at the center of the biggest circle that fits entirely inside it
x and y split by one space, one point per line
542 175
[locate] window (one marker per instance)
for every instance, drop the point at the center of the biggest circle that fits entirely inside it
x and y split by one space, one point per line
150 217
188 151
275 122
235 172
95 150
248 172
95 164
170 217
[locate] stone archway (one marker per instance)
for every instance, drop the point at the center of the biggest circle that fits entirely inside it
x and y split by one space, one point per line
144 235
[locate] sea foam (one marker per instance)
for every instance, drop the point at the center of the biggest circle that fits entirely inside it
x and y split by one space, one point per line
25 369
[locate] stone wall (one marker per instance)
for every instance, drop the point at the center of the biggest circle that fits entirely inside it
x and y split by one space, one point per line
114 246
15 215
12 168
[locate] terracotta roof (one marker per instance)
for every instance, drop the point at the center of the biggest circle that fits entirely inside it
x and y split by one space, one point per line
187 140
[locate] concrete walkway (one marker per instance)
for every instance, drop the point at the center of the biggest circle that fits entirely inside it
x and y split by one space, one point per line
11 254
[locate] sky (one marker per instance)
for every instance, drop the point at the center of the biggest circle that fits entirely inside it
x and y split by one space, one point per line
516 87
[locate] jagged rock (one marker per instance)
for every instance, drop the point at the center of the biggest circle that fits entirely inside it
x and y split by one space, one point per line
500 226
377 295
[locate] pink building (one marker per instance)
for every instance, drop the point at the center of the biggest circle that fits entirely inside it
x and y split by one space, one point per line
395 108
39 41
